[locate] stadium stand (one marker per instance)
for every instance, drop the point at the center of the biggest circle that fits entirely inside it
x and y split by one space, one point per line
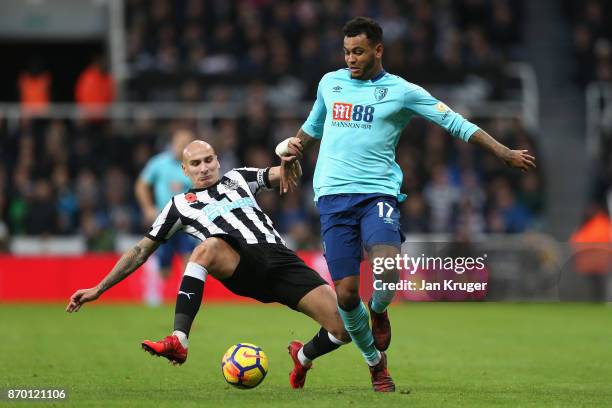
592 39
71 175
592 36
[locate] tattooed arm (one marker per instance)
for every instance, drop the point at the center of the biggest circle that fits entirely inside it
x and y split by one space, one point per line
128 263
520 159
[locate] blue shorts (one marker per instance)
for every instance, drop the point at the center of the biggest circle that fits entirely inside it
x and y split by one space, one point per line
180 243
352 222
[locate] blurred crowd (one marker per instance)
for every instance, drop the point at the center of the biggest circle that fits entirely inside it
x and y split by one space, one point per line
601 191
76 176
272 40
593 55
592 39
62 177
455 187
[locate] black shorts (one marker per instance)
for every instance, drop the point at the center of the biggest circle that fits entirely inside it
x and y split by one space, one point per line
270 273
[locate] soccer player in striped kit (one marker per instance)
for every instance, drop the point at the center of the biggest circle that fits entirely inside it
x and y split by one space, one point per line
240 248
358 116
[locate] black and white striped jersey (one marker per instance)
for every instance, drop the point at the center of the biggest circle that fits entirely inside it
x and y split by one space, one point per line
227 207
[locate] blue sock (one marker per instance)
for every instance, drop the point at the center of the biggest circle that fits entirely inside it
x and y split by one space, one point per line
381 299
357 323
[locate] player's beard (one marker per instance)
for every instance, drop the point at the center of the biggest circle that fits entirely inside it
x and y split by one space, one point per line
366 71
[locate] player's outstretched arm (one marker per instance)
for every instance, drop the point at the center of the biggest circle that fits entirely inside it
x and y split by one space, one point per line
293 148
520 159
128 263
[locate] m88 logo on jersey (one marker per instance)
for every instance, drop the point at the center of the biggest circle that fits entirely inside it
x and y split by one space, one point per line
348 111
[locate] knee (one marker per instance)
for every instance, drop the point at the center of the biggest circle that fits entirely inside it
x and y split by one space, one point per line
383 252
348 297
206 253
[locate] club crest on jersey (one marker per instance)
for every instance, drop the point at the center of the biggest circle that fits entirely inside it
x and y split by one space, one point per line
230 184
380 92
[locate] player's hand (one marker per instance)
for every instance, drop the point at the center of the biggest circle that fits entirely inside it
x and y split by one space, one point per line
80 297
520 159
294 150
290 172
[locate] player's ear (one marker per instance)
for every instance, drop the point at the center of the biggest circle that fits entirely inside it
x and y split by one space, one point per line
379 50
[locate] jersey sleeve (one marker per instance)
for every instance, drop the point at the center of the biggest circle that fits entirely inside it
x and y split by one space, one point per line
420 102
257 179
316 119
149 173
166 224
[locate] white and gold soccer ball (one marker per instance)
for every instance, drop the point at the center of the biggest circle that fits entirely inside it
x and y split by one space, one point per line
244 365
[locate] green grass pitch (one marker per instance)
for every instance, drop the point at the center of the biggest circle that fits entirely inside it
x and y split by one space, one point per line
442 354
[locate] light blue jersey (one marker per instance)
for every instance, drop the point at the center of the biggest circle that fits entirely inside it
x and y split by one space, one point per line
359 124
165 174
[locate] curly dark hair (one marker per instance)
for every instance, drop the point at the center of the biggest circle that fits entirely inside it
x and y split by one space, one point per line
364 25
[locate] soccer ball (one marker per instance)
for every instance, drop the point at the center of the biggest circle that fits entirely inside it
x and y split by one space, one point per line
244 365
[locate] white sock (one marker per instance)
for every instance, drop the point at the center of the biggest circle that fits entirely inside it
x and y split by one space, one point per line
335 340
302 357
376 361
182 338
195 271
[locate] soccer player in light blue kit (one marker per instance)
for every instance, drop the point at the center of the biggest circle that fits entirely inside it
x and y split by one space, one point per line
358 117
161 179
